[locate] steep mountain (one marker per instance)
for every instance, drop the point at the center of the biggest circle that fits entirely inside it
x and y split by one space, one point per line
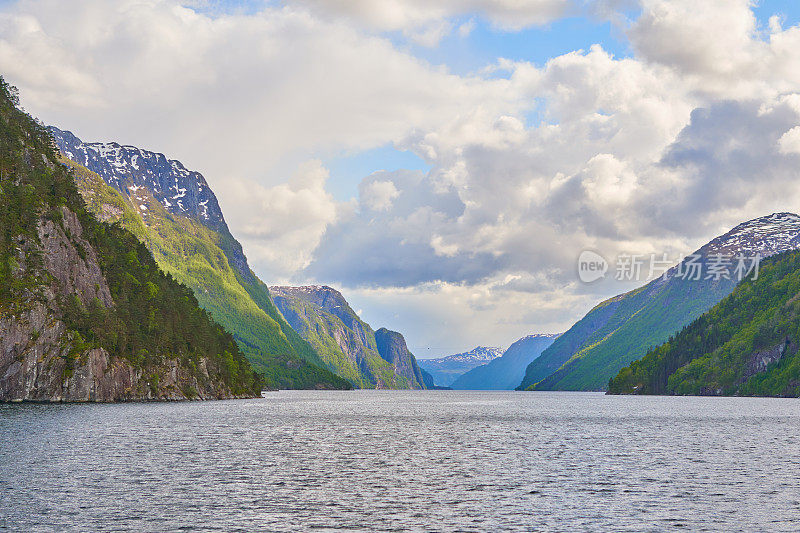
445 370
505 372
85 312
745 345
623 328
393 349
347 344
176 214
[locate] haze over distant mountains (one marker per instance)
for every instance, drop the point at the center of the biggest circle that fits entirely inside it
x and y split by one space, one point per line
506 371
445 370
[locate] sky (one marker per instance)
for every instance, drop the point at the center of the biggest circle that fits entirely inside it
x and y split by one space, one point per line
443 163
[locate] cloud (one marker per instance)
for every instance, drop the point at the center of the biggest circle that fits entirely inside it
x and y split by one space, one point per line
789 143
411 15
242 97
718 47
280 226
378 195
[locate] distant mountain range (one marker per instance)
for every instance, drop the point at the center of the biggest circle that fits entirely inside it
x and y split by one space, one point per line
347 345
176 214
445 370
506 371
621 330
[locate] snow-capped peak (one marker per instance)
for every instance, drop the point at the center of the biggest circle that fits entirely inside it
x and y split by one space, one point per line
767 235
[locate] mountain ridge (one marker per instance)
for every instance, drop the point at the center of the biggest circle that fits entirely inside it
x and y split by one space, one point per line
506 371
348 345
445 370
621 329
190 239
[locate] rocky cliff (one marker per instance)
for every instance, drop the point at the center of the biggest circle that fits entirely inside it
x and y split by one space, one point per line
392 348
85 314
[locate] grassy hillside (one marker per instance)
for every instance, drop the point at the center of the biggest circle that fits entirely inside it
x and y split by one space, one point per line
195 255
747 344
644 319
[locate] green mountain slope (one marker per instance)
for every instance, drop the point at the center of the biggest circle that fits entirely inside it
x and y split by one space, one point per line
622 329
85 312
643 319
745 345
347 344
195 255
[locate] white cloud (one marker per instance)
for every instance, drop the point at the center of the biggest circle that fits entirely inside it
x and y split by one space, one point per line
280 226
717 47
378 195
410 15
789 142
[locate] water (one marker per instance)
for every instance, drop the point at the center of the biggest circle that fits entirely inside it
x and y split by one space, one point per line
373 460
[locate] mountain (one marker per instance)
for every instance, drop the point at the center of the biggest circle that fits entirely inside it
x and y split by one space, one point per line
176 214
506 371
347 345
393 349
623 328
85 312
445 370
745 345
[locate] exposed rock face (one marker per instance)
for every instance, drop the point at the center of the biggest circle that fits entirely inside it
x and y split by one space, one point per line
33 367
71 260
761 359
128 169
392 347
37 359
347 344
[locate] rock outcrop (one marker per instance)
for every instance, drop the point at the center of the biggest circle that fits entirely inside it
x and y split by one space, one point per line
392 347
40 360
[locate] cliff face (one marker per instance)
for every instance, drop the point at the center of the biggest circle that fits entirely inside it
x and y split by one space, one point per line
347 344
85 313
40 360
392 347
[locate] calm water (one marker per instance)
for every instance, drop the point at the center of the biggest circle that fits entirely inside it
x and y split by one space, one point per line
369 460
